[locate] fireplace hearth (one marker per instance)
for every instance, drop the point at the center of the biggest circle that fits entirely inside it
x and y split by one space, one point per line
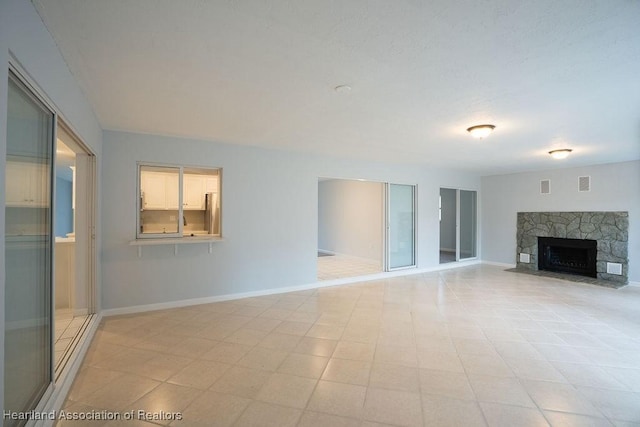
573 256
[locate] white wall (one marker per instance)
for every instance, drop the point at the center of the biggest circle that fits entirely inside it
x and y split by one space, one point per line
269 218
448 222
350 216
614 187
24 36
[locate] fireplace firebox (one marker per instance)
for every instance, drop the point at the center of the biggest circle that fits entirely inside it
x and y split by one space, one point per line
573 256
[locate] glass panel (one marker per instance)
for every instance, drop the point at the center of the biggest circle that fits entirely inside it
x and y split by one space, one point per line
159 199
401 226
468 220
27 311
448 239
201 201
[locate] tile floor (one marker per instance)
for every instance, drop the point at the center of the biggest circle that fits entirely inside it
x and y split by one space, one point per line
473 346
341 266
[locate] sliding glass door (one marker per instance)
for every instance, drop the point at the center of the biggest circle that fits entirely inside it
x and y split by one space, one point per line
401 226
28 250
458 225
448 208
467 227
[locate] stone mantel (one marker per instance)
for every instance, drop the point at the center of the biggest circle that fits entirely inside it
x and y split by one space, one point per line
609 229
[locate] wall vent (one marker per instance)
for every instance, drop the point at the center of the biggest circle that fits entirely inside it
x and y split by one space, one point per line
614 268
545 186
584 183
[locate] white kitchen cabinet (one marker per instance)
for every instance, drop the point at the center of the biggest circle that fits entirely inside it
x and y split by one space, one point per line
16 187
159 190
211 184
193 192
27 184
172 191
152 186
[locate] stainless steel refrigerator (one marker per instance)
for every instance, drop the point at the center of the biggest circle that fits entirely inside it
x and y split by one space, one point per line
211 214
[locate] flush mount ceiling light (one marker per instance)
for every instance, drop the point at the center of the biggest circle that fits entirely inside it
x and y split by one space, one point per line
481 131
560 154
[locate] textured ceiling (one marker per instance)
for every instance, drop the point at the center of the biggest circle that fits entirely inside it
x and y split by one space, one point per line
549 74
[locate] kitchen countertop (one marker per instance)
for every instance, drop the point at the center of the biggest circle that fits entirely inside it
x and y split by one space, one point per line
206 238
185 233
195 233
65 239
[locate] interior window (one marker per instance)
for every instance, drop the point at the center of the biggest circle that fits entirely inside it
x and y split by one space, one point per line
177 201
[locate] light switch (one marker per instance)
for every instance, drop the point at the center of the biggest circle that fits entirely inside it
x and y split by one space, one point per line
525 258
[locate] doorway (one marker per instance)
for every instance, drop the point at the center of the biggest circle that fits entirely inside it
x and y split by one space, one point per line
458 225
74 242
350 228
364 227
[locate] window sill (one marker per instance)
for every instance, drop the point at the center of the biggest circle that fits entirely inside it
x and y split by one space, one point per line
187 240
175 241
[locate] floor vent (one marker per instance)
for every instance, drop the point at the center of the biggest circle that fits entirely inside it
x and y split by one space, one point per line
584 183
545 186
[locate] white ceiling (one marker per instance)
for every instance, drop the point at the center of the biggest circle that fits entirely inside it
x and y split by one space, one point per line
548 73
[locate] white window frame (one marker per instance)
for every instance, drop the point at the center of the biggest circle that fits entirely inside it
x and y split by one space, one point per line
181 168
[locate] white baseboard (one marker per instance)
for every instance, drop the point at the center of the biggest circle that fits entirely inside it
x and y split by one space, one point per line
633 283
193 301
452 265
317 285
499 264
354 257
274 291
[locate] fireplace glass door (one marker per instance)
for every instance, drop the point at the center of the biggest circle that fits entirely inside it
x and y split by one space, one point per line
573 256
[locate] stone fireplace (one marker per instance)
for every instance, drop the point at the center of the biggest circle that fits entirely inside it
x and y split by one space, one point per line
592 244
